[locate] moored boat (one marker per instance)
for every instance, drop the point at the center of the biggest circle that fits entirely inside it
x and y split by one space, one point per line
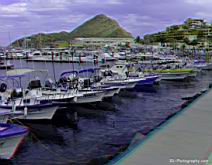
11 137
29 109
173 75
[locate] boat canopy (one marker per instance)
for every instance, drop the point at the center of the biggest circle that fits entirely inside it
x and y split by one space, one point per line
19 72
68 72
97 68
11 77
87 70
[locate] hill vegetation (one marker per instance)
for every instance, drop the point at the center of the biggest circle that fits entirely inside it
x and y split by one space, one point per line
99 26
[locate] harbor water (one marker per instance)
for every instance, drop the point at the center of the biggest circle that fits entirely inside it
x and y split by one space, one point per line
104 129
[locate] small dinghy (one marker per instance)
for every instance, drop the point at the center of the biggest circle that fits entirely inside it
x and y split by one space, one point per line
11 137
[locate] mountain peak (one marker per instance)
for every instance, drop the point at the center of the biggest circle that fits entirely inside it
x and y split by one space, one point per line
101 15
100 26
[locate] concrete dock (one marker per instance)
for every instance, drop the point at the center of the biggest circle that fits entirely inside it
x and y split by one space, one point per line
184 139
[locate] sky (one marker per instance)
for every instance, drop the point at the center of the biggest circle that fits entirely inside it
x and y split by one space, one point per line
20 18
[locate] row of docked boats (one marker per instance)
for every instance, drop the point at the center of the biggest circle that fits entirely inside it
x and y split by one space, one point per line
37 101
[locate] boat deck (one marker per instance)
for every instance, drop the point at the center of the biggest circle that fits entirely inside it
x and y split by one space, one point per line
184 139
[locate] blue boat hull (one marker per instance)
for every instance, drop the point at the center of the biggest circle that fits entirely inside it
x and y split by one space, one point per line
11 137
148 81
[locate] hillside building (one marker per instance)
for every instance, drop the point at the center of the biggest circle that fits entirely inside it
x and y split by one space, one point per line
195 23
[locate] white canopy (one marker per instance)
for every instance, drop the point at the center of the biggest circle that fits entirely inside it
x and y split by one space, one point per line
19 72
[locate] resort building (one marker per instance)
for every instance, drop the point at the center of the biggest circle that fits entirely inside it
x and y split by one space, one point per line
195 23
102 41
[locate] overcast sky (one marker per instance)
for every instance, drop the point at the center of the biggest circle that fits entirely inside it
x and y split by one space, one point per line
24 17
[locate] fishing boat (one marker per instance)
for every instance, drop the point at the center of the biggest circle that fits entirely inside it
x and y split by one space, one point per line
2 55
149 80
89 97
125 73
120 82
29 108
146 79
84 93
203 65
18 100
48 93
6 65
93 83
173 74
109 91
107 57
11 137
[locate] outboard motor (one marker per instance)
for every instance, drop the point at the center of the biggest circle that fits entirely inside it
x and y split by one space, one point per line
97 78
63 80
49 83
34 84
73 83
3 87
87 83
16 93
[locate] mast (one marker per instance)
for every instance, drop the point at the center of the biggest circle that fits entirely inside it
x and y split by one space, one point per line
53 66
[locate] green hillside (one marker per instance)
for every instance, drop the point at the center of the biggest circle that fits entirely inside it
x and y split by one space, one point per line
99 26
193 32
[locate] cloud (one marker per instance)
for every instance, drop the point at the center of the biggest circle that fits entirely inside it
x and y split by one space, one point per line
24 17
204 14
134 20
97 2
199 2
114 2
16 8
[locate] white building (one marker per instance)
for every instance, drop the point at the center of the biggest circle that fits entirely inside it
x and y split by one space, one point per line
102 41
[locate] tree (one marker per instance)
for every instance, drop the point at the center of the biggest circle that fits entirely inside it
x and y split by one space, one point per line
194 42
183 46
138 39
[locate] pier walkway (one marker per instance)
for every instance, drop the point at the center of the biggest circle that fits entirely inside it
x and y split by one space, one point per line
184 139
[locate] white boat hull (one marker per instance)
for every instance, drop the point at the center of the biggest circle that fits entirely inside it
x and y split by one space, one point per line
9 145
130 85
125 84
208 67
170 76
90 98
111 92
39 114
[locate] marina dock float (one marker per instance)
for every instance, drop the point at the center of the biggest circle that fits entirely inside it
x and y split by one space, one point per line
186 138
